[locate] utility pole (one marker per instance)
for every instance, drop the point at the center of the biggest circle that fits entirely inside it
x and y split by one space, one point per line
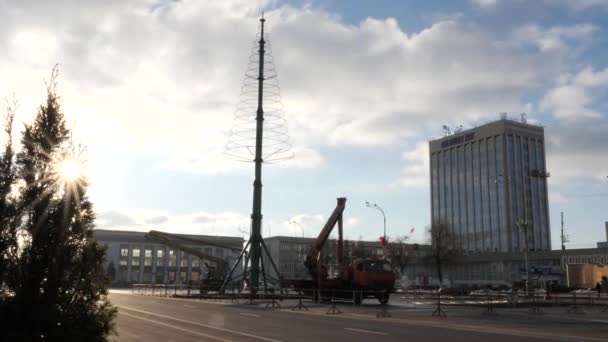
523 226
562 236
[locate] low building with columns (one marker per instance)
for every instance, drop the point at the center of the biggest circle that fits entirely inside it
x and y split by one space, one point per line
131 258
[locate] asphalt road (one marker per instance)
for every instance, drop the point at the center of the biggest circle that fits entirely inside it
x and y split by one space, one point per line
146 318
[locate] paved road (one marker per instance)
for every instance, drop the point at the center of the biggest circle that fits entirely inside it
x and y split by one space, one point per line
145 318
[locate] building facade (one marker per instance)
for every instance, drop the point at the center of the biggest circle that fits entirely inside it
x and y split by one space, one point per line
289 254
133 259
484 180
586 275
545 268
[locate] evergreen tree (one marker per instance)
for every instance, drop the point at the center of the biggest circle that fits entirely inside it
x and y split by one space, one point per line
8 209
61 293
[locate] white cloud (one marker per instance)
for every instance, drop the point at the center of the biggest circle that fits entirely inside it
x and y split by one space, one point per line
581 4
560 39
304 157
576 150
573 96
415 172
309 225
206 223
485 3
223 223
166 76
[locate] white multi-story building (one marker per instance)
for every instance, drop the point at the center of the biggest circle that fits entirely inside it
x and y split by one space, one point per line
486 179
132 258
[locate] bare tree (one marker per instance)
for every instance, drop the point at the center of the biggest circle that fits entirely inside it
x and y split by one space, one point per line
398 254
441 240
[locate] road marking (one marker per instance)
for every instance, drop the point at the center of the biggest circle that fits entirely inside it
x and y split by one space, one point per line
176 327
595 320
248 314
189 306
201 324
366 331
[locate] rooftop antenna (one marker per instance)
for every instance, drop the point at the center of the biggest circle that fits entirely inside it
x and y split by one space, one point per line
259 135
523 118
446 130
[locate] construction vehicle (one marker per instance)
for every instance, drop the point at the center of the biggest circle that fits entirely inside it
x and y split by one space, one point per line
216 268
362 278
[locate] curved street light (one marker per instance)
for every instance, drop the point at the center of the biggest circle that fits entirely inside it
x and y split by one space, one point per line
292 221
377 207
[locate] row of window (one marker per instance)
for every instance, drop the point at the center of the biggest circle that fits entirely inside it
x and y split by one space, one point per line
585 259
160 256
159 278
469 187
468 194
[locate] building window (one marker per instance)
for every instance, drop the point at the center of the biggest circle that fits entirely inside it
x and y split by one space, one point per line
135 258
159 257
148 257
184 260
172 258
124 252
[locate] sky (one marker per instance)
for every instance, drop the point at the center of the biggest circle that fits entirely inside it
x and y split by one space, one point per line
150 87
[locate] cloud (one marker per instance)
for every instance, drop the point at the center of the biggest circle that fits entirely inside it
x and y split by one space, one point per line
113 218
485 4
573 95
222 223
577 150
415 172
157 219
581 4
561 39
164 77
207 223
304 157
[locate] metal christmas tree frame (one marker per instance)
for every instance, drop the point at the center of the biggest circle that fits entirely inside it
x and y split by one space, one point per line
259 135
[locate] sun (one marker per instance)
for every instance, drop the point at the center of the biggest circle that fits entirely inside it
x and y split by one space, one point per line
70 170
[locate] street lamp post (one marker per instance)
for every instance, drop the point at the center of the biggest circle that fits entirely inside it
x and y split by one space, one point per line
523 227
292 221
377 207
300 254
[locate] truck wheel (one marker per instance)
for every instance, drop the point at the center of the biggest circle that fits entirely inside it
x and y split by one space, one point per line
358 297
383 298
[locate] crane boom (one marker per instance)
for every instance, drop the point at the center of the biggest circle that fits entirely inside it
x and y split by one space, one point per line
196 240
312 258
169 240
